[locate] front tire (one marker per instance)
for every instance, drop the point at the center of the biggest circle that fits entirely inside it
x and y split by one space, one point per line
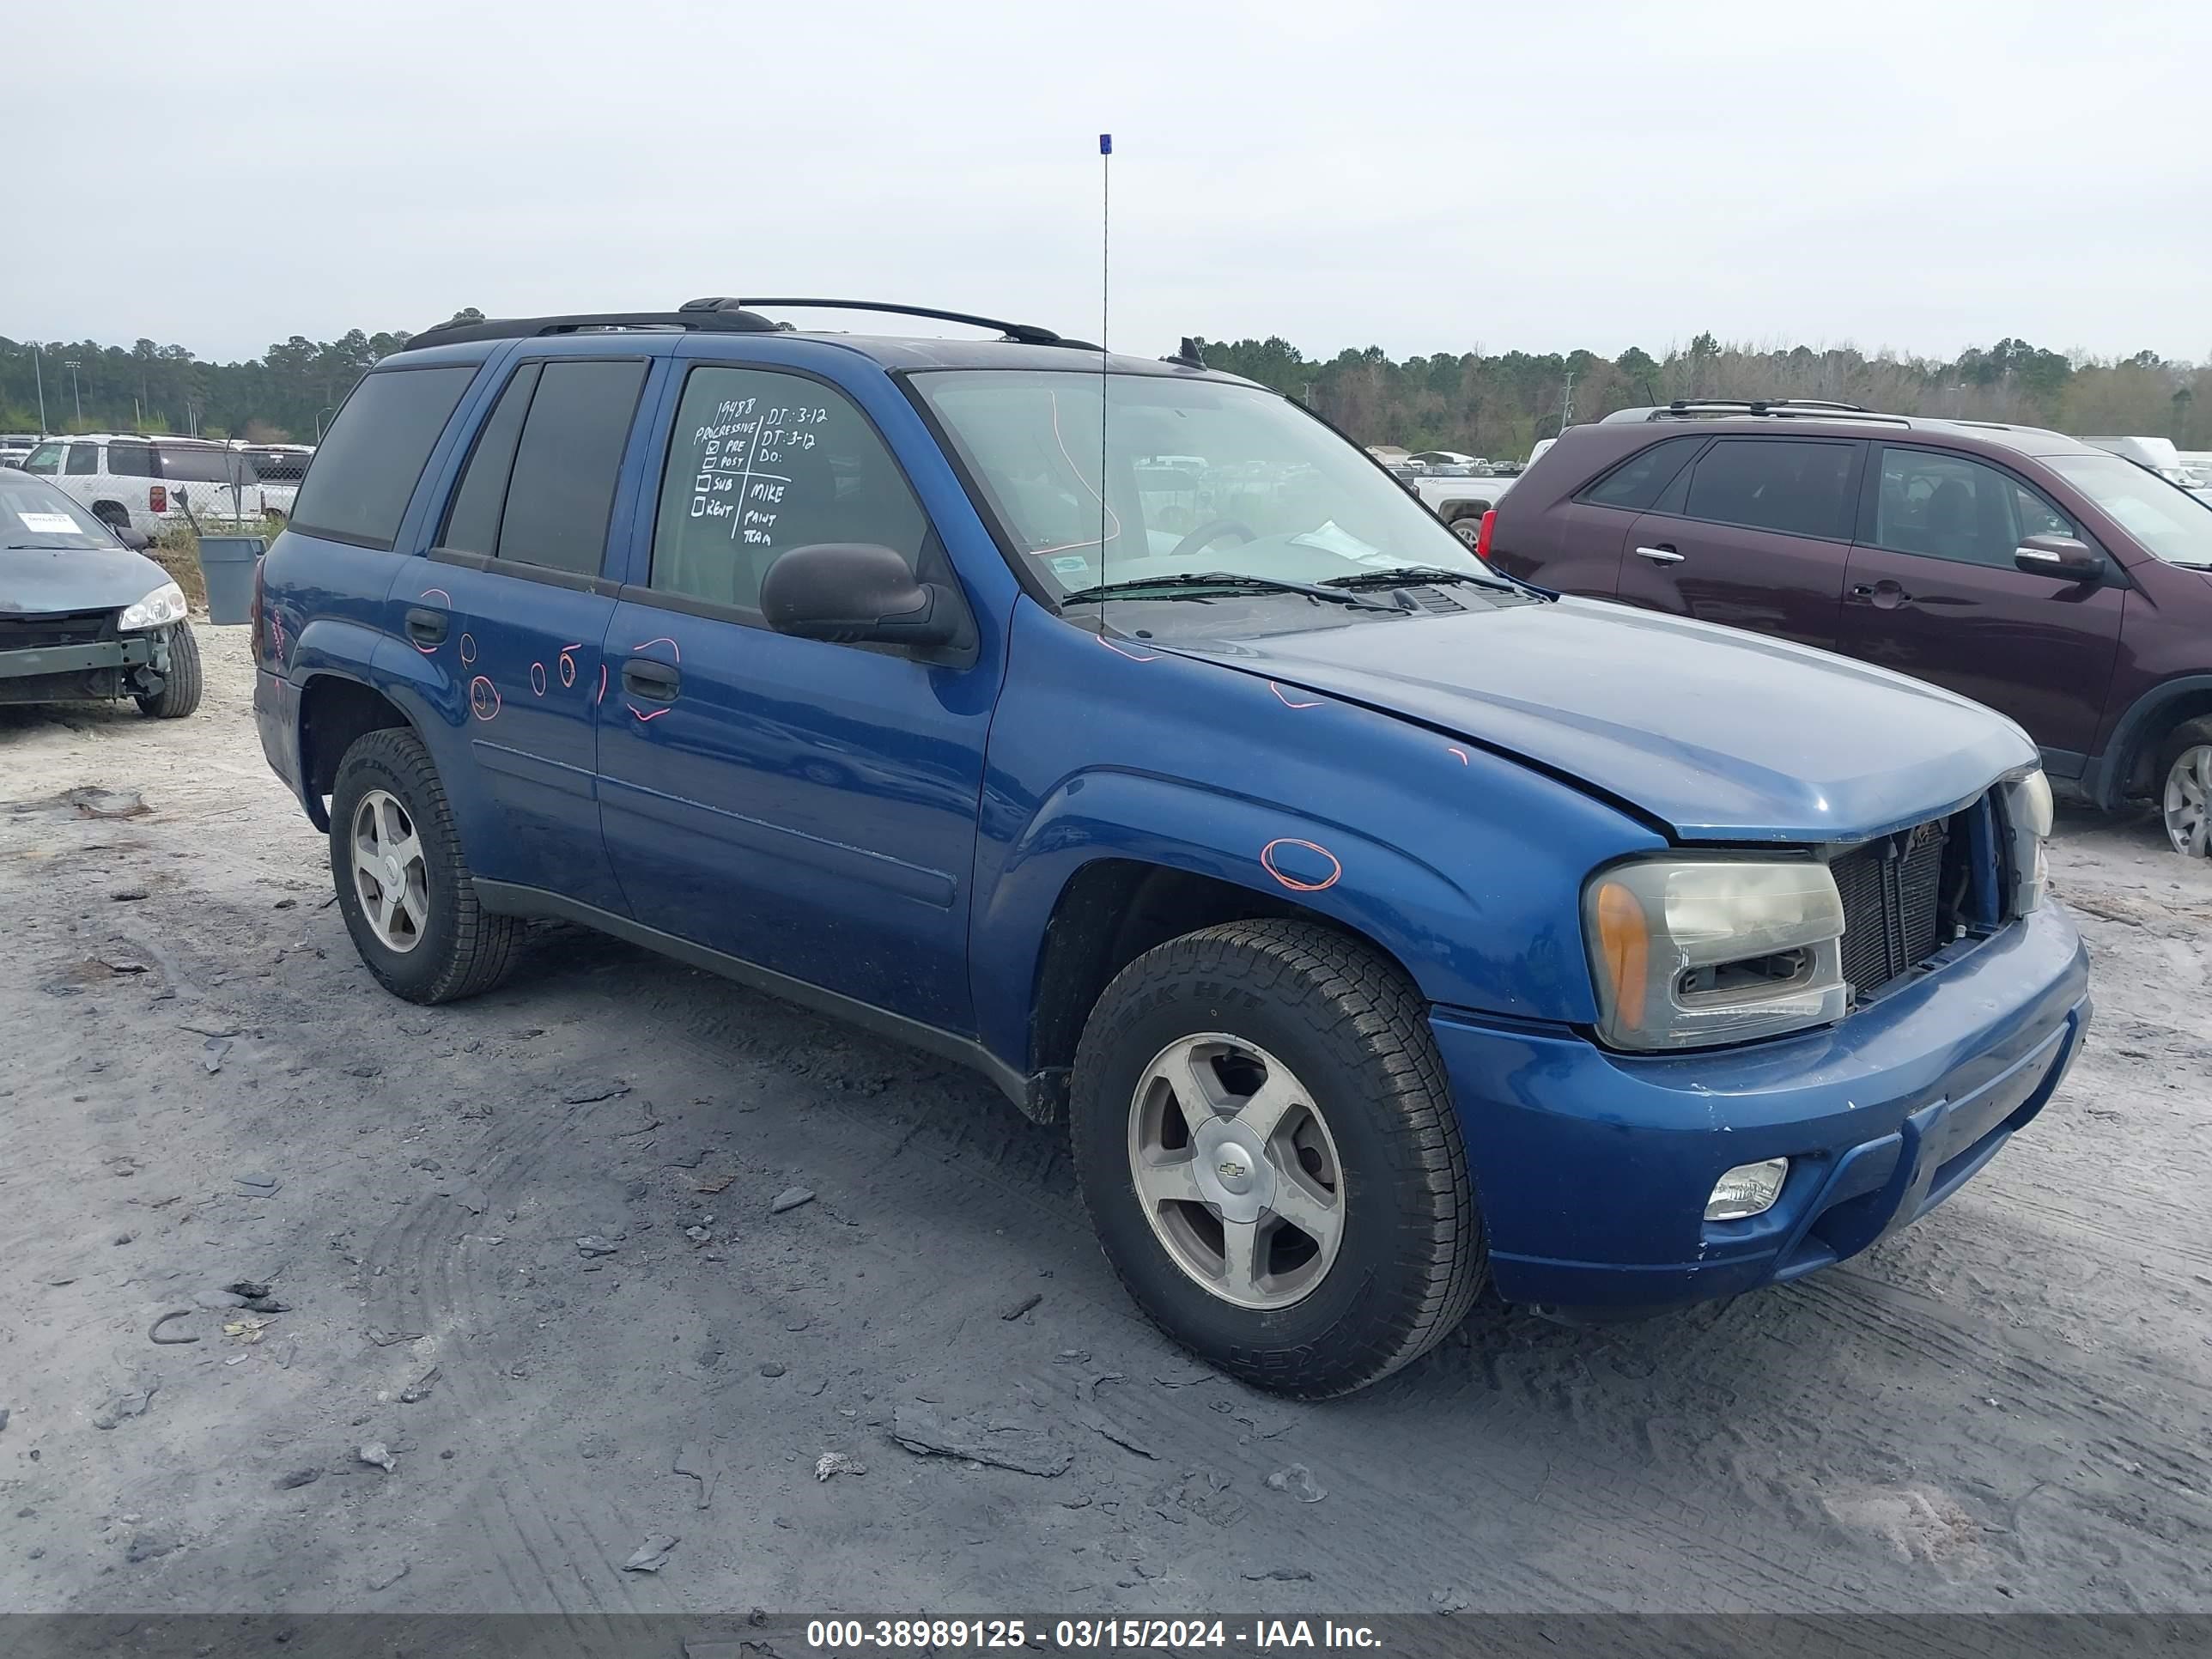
1266 1142
2184 772
403 886
180 687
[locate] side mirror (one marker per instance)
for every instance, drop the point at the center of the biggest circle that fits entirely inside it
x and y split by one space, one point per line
856 592
2059 556
136 540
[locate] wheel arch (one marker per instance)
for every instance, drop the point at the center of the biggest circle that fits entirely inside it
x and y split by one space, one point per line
2124 768
1110 911
336 711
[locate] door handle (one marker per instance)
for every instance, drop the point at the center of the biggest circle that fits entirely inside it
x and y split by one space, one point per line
1887 595
1659 555
427 627
654 681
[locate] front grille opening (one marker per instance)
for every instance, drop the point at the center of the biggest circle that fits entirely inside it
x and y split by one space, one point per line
64 628
1904 898
1766 973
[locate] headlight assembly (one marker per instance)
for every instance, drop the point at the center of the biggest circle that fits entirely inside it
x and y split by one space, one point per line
2028 820
1688 952
165 605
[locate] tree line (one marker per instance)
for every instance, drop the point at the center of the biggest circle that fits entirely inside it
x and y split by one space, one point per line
1499 406
1483 404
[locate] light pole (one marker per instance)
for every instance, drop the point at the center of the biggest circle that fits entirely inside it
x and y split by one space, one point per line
71 365
327 409
38 370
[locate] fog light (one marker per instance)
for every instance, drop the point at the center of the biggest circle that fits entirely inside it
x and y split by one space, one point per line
1749 1189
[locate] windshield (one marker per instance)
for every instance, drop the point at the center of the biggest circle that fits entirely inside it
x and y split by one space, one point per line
32 514
183 465
1202 478
2172 522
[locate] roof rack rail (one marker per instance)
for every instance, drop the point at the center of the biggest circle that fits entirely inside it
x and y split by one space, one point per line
731 320
1802 408
1021 333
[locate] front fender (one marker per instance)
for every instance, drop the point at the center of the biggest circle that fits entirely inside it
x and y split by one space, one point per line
1464 866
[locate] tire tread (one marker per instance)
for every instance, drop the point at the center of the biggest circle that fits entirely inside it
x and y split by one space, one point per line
1373 1001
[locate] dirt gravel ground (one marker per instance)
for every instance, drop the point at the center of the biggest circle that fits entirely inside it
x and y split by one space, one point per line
2005 1407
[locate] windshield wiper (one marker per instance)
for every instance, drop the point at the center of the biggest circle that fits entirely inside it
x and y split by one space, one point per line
1412 575
1222 581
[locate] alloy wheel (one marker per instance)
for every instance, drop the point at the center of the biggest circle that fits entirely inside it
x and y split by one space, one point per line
390 877
2188 806
1235 1171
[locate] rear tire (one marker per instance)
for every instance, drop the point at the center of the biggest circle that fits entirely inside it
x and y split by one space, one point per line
446 946
180 688
1394 1256
2183 788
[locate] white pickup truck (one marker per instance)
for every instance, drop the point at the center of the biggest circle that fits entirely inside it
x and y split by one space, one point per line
1460 494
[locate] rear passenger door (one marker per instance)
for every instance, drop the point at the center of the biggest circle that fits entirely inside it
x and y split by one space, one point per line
805 807
513 600
1578 546
1933 592
1755 533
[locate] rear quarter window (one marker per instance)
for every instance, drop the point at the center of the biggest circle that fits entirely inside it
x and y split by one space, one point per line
1637 483
369 462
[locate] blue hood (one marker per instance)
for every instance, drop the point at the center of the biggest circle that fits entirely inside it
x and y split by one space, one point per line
1720 735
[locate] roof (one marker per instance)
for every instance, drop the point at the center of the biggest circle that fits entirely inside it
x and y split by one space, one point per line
1022 345
168 439
1740 416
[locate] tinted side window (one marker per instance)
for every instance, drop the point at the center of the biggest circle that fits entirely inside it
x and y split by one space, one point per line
1637 481
760 463
130 460
44 459
1791 485
372 457
1950 507
562 486
472 522
83 460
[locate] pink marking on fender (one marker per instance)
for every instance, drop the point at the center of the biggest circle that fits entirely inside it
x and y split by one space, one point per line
537 679
1461 753
440 591
1119 652
468 649
579 645
602 698
1268 863
483 698
662 640
642 715
1287 703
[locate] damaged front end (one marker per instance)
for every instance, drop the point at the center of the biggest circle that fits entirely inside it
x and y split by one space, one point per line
80 657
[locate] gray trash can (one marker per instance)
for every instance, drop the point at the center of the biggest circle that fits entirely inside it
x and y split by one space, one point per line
227 566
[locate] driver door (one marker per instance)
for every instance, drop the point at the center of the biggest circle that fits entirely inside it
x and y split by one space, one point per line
807 807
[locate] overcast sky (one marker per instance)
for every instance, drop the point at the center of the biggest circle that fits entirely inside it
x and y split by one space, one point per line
1923 177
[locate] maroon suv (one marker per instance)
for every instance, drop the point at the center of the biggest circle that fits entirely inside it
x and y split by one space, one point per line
2059 584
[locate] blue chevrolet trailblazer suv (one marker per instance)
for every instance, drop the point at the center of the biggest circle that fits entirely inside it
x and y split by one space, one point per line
1381 927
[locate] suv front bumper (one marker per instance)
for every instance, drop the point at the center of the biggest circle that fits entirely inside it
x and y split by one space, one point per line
1593 1168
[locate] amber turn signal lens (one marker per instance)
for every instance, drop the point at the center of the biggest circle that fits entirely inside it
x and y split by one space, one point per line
1625 942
